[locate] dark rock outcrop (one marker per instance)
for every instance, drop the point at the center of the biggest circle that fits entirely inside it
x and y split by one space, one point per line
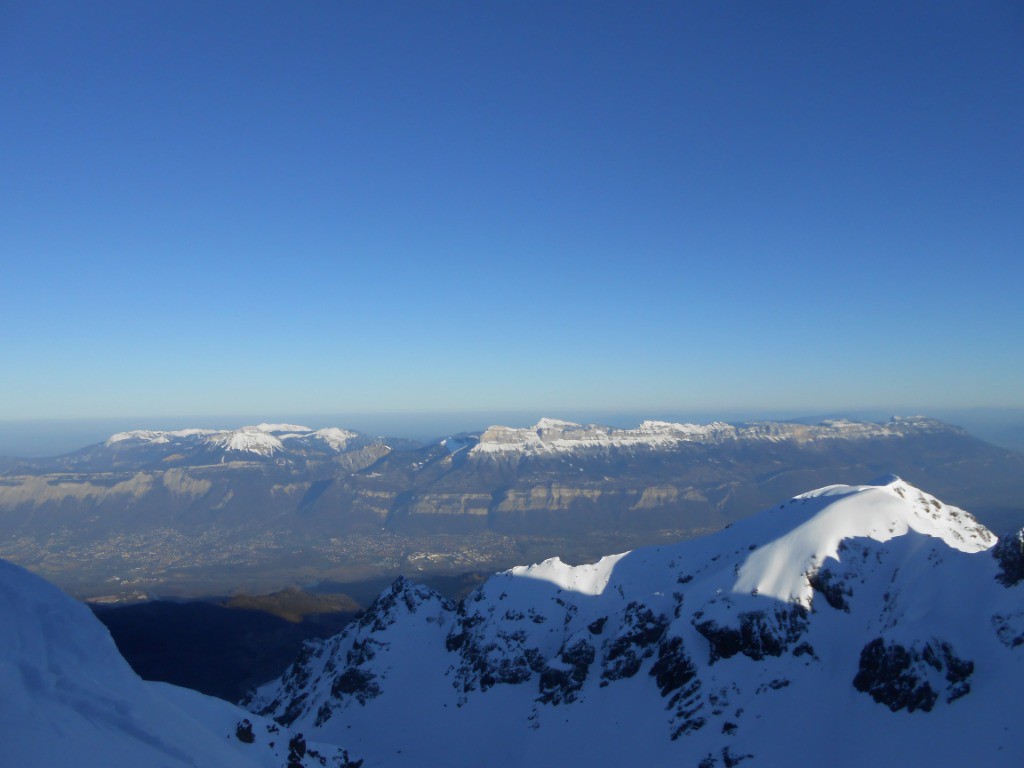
912 678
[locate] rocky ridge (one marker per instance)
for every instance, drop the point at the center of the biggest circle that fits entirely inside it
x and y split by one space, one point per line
557 436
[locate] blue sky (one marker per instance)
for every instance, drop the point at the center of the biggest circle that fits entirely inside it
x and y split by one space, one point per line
219 208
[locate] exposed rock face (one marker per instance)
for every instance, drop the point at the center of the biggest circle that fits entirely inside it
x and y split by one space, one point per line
639 632
547 498
563 677
757 633
676 676
1009 553
329 674
474 504
912 678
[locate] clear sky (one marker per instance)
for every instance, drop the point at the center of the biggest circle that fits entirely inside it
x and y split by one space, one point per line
326 207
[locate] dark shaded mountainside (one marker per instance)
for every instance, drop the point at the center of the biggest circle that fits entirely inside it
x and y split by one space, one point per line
158 511
222 648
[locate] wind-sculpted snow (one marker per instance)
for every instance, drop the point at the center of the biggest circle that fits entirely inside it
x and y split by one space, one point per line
67 698
868 615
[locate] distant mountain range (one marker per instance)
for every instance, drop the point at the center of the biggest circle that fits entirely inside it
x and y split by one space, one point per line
189 510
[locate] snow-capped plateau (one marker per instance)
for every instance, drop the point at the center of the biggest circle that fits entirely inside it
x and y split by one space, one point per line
855 625
557 436
158 437
260 440
67 698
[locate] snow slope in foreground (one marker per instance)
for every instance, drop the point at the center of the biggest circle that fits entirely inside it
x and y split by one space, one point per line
68 698
853 625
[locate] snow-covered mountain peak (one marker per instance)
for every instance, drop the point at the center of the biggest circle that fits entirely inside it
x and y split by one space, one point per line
157 436
796 538
333 437
263 439
247 440
548 423
586 579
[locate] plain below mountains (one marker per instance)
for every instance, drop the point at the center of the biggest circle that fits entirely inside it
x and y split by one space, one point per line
205 511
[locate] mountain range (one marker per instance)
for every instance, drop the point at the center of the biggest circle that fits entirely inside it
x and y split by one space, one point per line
179 512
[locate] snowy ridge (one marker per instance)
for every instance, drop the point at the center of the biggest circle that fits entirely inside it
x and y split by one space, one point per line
552 435
247 440
158 436
556 436
263 440
804 534
276 428
332 437
586 579
881 511
892 612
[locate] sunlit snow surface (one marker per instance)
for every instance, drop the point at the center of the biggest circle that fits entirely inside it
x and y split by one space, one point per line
587 579
817 522
558 436
157 436
809 529
249 440
260 440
